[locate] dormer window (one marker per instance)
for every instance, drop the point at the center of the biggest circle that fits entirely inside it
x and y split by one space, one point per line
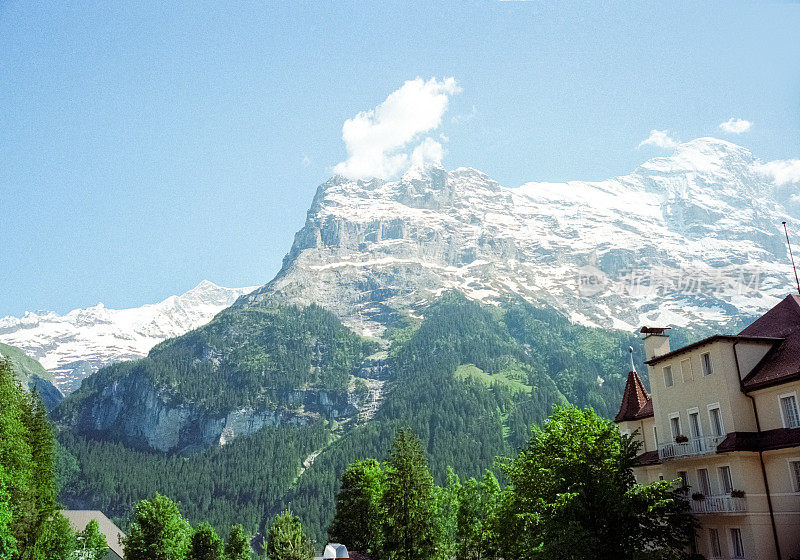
708 367
668 381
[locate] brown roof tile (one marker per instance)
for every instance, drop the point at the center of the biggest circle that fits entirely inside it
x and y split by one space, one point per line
636 403
783 362
647 458
780 438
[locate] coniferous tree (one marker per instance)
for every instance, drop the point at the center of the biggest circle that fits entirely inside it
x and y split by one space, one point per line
92 541
238 545
286 540
409 529
357 523
8 543
205 544
16 456
158 531
43 477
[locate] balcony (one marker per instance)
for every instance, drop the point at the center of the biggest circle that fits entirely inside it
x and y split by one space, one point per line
692 447
719 504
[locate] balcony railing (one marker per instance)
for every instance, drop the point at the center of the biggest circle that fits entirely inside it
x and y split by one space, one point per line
694 446
719 504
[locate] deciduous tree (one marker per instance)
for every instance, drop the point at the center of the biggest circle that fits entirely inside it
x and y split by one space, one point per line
158 531
92 541
357 522
205 544
575 496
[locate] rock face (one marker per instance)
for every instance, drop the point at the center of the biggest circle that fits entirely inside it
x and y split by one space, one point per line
77 344
693 239
133 411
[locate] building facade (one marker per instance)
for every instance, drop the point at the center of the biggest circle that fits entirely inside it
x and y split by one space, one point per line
722 420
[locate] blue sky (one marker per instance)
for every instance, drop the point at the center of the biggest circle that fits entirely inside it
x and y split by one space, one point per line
146 147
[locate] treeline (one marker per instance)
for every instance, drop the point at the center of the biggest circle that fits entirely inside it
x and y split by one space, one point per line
240 481
571 494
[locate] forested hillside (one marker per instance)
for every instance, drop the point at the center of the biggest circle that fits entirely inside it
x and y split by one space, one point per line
469 379
31 374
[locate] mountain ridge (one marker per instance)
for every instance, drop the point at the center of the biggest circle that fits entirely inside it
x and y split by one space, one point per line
78 343
372 250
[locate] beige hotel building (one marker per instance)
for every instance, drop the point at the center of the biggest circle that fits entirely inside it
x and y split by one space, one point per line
723 418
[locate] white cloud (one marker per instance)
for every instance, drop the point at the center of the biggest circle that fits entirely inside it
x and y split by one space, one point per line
378 141
735 126
660 139
781 171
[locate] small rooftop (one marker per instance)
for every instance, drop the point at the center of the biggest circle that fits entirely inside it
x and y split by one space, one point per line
782 363
80 518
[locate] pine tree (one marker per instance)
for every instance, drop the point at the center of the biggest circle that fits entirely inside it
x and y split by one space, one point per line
205 544
8 544
158 531
16 456
43 477
358 507
285 539
409 531
238 545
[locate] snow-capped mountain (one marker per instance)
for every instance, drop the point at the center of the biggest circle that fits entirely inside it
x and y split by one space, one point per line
692 239
74 345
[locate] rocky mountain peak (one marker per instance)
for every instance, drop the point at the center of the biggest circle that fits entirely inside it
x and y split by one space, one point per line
373 250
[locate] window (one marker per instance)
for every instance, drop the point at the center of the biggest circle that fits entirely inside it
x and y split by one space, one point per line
715 418
737 546
684 479
686 369
713 544
791 419
703 482
708 369
675 424
668 376
794 470
694 424
725 479
655 436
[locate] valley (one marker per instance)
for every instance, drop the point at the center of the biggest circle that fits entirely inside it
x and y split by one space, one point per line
442 302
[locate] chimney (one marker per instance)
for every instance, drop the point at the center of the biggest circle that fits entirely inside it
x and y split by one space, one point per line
656 341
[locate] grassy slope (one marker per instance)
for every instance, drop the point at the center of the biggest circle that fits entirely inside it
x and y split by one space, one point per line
25 366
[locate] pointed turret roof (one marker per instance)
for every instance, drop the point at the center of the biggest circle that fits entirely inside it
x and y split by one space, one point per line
636 402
